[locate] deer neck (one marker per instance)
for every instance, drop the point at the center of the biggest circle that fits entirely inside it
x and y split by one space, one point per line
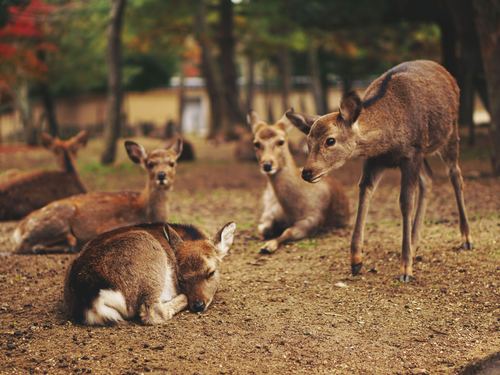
155 202
287 182
369 141
69 166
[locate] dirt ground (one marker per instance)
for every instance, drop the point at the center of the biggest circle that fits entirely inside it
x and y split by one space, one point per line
284 313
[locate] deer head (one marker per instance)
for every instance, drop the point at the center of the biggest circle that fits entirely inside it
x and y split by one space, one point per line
332 138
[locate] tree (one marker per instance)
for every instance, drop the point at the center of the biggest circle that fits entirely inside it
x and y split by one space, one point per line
487 20
115 94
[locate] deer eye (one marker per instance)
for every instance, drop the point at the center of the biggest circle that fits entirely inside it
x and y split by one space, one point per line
281 142
210 275
150 164
171 163
330 141
257 145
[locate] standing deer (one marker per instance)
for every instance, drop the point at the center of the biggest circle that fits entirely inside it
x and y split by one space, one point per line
26 192
149 271
75 220
409 112
293 209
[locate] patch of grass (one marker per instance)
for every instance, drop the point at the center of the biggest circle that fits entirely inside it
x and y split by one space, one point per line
310 243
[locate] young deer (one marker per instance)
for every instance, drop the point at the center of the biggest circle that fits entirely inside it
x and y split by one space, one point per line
26 192
150 271
75 220
408 113
293 209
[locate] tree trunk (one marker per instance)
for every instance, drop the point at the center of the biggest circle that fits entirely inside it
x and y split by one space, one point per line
115 93
267 94
286 78
49 109
23 105
219 117
229 74
250 80
315 75
487 20
182 99
468 59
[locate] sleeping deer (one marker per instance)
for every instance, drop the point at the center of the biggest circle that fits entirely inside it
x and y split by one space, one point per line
409 112
26 192
293 209
72 221
147 271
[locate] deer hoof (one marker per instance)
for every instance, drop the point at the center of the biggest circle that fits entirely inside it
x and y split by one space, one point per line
406 278
467 245
265 251
356 268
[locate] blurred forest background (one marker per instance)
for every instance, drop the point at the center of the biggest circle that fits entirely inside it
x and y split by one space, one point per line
123 67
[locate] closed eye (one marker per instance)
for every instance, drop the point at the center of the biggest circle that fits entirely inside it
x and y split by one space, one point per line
210 274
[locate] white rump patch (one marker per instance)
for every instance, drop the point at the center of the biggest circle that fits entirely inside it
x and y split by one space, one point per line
109 307
17 238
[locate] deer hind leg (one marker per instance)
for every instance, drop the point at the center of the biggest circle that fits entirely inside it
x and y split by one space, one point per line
410 172
425 186
47 233
157 312
450 157
372 173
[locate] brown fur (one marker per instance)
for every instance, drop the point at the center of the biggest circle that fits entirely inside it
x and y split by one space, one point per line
75 220
293 209
406 114
135 262
26 192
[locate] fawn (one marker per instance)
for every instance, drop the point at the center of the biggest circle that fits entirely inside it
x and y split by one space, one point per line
72 221
293 209
150 271
26 192
409 112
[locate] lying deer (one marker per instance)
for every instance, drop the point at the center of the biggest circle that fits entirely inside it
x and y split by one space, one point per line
149 271
26 192
73 221
408 113
293 209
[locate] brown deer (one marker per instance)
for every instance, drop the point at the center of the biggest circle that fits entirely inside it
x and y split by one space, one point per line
293 209
72 221
147 271
409 112
26 192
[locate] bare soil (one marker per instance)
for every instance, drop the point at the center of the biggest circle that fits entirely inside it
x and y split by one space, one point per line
296 311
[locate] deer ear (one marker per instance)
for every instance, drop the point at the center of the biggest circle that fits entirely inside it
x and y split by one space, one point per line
224 239
176 146
135 152
253 121
350 107
46 139
79 140
172 237
301 121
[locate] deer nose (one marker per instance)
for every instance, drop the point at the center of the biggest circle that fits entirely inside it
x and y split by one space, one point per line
267 166
307 174
198 306
162 175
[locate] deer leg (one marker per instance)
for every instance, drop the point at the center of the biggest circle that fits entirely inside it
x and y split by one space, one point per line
272 221
299 230
425 186
450 157
372 173
160 312
410 171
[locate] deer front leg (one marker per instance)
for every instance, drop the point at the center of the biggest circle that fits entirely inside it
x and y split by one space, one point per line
372 173
159 312
299 230
272 218
410 171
